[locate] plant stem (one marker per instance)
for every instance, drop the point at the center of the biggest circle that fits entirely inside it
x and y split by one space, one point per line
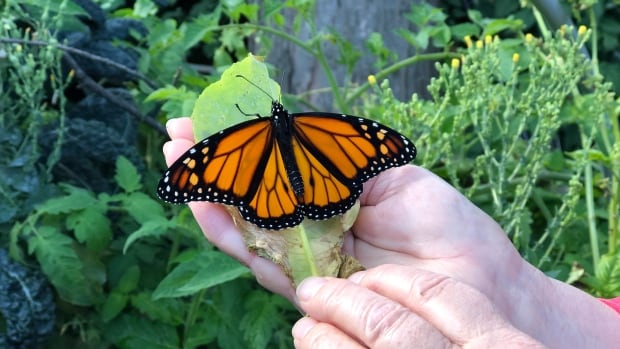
435 56
591 215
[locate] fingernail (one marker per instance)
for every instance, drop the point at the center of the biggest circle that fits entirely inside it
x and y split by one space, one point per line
302 327
309 287
170 123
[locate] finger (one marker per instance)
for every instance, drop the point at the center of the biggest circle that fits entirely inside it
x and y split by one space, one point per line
463 314
365 316
175 148
308 333
180 128
219 228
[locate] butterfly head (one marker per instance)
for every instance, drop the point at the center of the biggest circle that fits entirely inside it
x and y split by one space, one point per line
277 108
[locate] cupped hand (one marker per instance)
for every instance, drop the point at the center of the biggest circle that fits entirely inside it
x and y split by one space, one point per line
411 218
408 216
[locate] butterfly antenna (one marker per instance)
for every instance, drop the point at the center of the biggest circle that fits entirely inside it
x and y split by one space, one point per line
247 114
255 85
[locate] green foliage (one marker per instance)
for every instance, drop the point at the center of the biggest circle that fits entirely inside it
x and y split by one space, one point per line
524 125
495 128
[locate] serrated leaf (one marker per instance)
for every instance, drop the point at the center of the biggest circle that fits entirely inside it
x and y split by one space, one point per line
142 207
91 226
126 175
260 320
608 275
201 334
165 310
60 262
76 199
130 331
153 228
205 270
196 30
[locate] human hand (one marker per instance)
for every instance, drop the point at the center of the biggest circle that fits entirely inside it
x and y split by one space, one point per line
413 218
393 306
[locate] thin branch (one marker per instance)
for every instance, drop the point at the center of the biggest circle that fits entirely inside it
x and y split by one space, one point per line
69 49
89 84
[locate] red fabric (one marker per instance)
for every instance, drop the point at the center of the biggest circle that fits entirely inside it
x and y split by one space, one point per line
614 303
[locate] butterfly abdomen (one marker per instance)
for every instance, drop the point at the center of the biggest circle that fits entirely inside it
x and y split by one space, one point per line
283 131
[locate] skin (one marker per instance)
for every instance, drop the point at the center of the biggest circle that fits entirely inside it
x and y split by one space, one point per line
441 274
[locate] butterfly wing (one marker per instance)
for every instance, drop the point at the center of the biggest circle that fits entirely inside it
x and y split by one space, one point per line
240 166
336 153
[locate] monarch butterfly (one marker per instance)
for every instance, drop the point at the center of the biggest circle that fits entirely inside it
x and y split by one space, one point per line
278 169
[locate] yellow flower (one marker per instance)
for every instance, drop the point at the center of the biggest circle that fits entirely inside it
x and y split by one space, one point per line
455 63
468 42
479 44
488 39
529 38
372 80
515 57
582 30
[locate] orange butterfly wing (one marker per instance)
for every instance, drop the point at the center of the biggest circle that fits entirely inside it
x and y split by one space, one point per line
337 153
240 166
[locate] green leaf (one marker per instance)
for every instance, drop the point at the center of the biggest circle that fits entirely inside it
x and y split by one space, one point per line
260 321
249 11
64 7
142 207
497 25
129 280
215 107
440 35
205 270
127 176
132 331
418 40
166 310
201 334
459 31
60 262
152 228
177 101
76 199
196 30
608 275
113 305
91 226
144 8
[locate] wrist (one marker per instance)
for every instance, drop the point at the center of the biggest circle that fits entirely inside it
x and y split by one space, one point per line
555 313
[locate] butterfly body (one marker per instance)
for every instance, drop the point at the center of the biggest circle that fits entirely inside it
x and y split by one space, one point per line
279 169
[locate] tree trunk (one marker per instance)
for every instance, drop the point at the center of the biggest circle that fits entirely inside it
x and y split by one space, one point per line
353 20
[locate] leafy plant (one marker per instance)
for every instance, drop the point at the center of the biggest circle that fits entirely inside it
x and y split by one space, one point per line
524 124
